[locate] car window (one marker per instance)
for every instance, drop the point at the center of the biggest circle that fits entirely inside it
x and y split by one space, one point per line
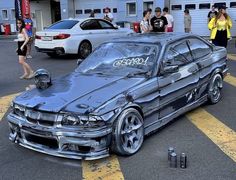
177 54
121 59
105 25
90 24
199 48
65 24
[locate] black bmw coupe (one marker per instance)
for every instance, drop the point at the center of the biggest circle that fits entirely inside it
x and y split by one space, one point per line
124 90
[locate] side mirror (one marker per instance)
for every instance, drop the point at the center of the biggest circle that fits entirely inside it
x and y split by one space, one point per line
79 61
171 69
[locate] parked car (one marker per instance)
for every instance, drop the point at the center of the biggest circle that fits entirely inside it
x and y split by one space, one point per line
126 89
76 36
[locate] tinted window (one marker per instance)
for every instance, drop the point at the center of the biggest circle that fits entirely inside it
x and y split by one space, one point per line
114 10
233 4
105 25
97 11
205 6
219 4
178 55
79 11
199 48
87 11
66 24
190 6
176 7
90 25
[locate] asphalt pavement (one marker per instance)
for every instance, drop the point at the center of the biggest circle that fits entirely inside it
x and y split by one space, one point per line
206 161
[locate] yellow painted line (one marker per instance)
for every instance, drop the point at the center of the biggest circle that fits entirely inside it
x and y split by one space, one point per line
231 57
5 102
102 169
230 79
219 133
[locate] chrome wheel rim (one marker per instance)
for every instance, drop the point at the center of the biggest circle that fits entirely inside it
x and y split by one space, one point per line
216 89
85 49
132 133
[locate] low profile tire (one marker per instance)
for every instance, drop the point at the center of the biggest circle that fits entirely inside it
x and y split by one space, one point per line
128 133
85 49
52 55
214 90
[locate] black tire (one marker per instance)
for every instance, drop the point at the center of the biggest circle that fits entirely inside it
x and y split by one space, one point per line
214 90
52 55
85 48
128 133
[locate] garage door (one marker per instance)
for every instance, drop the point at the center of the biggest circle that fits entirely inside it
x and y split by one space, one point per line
198 12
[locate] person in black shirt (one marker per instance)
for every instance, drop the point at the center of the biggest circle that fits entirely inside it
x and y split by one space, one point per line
158 22
212 13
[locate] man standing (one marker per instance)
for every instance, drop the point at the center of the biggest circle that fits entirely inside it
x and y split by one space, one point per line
108 15
212 13
158 22
29 27
169 18
187 21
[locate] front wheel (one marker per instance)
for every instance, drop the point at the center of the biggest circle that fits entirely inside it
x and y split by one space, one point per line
128 132
85 49
214 91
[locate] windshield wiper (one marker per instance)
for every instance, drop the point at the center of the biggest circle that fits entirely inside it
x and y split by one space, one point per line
132 74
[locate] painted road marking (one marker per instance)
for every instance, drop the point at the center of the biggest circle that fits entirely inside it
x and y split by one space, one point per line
230 80
231 57
220 134
102 169
5 102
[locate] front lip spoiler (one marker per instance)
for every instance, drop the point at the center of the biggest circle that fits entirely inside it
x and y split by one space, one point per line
20 127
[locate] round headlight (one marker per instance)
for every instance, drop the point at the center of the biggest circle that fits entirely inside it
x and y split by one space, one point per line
70 120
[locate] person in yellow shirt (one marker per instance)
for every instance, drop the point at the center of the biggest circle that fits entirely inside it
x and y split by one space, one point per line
220 28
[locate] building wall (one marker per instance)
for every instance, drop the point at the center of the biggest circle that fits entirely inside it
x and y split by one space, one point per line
199 16
41 5
45 8
8 6
119 5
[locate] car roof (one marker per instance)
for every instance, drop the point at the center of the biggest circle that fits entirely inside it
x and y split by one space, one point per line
82 19
155 38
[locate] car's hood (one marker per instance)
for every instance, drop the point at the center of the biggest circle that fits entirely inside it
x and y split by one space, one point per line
77 93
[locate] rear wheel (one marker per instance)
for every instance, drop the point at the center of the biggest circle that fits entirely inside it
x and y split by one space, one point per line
85 49
214 91
128 132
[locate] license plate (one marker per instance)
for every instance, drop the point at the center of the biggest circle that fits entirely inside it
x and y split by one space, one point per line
47 38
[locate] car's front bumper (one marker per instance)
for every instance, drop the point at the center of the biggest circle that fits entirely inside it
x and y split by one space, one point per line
75 144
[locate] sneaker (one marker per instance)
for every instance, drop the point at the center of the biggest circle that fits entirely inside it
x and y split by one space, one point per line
29 57
24 76
31 75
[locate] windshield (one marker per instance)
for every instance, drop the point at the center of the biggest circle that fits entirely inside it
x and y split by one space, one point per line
120 59
66 24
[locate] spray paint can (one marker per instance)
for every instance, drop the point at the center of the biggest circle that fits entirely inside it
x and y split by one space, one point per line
183 161
170 150
173 160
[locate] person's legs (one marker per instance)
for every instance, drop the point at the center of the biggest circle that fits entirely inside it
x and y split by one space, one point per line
22 62
28 72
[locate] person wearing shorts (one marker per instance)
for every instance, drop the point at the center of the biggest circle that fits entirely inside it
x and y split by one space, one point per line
22 40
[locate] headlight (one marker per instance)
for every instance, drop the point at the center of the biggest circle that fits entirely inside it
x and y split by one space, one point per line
83 121
18 110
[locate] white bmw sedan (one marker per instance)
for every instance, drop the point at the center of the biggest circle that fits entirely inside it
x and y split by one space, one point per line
76 36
